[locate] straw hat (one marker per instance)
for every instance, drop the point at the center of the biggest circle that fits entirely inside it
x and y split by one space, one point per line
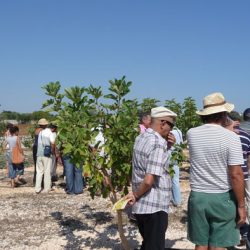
159 112
215 103
43 121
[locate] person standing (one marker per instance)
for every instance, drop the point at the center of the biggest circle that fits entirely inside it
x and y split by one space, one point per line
145 120
74 178
11 141
55 156
6 146
44 162
216 179
246 126
34 147
176 191
234 123
246 123
151 182
18 167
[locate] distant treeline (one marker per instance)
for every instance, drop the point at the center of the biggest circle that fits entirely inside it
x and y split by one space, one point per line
24 117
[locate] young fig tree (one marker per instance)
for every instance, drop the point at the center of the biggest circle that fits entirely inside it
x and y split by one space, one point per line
83 116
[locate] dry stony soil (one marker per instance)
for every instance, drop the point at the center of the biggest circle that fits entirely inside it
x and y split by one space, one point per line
59 221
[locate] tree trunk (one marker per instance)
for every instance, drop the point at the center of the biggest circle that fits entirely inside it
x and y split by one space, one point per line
124 240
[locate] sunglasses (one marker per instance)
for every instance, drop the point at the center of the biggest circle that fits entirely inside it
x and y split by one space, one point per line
170 124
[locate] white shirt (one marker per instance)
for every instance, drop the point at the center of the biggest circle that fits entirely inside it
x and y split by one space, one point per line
45 138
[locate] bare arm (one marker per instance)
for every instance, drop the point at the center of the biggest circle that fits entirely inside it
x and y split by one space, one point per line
4 144
238 185
144 187
53 147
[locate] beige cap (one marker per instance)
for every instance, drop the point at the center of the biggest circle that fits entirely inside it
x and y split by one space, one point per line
159 112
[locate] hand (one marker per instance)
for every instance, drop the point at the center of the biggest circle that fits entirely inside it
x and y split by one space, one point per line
242 216
171 140
236 123
130 196
59 160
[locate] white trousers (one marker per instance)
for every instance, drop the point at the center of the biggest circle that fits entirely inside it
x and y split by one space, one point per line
43 168
53 166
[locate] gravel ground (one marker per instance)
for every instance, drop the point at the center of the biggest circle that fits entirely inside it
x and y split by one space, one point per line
59 221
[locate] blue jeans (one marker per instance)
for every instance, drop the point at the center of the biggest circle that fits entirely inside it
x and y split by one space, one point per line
74 178
11 169
176 191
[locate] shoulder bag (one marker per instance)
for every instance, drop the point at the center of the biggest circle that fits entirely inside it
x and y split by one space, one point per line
17 154
46 148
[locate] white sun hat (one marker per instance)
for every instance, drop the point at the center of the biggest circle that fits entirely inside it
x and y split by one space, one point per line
43 121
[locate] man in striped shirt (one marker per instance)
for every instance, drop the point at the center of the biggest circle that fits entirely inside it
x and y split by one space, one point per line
151 182
246 123
216 179
245 143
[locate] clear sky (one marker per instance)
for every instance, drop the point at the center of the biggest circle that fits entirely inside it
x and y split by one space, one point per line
167 48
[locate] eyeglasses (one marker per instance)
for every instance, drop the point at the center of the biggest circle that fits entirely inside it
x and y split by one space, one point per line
170 124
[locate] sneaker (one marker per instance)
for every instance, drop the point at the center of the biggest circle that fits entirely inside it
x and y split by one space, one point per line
23 181
54 178
248 243
242 245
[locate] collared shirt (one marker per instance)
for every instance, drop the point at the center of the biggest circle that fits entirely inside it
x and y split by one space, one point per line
246 126
150 156
245 143
142 128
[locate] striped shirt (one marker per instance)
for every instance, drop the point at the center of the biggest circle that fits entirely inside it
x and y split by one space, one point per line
212 150
245 143
150 156
246 126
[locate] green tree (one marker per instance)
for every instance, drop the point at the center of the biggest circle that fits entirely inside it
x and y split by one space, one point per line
10 115
186 114
81 117
37 115
24 117
189 117
147 104
2 128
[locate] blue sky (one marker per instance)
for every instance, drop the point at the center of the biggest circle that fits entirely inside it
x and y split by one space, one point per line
168 49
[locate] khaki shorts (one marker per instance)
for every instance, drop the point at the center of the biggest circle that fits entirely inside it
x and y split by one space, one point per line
212 219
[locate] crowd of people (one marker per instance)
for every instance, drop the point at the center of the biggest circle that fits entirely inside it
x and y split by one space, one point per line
219 166
45 156
219 151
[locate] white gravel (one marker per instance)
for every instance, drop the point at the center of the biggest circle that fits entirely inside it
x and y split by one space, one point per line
59 221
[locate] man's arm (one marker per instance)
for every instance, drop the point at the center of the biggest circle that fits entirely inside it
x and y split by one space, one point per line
53 148
144 187
238 185
52 139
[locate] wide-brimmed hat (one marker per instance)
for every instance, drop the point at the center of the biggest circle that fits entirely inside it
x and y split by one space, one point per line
159 112
215 103
43 121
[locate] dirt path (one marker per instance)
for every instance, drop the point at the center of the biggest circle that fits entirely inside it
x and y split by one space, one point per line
60 221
